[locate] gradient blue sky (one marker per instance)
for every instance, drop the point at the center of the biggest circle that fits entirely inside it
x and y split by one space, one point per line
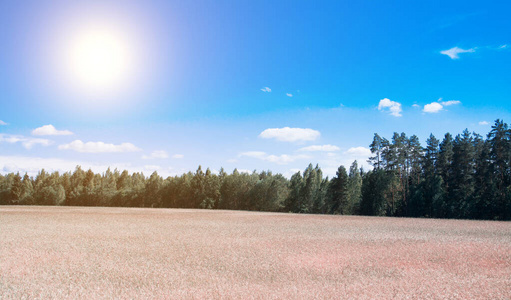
198 93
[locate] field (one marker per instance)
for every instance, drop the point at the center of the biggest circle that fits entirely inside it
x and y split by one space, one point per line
85 253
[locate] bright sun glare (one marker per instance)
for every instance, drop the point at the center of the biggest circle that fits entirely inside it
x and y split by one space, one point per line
99 59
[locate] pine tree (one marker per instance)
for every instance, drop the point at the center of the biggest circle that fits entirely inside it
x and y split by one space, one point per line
354 189
462 185
500 156
432 189
292 203
152 190
444 169
338 192
376 148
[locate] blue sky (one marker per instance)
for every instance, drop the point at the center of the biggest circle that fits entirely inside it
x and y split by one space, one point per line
218 83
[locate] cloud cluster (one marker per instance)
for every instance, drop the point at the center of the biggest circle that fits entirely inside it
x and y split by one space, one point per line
32 165
27 142
323 148
50 130
454 52
288 134
266 89
393 107
98 147
278 159
438 106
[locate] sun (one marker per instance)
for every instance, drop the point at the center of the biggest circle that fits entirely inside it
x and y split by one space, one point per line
99 59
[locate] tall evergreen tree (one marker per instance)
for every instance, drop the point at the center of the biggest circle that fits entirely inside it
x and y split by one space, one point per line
432 184
444 169
376 148
499 139
462 185
354 189
338 192
293 199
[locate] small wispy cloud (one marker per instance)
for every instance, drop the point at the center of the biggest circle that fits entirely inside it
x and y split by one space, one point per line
358 151
27 142
483 123
158 154
266 89
393 107
2 123
503 46
454 52
289 94
416 105
278 159
323 148
288 134
50 130
450 102
152 168
98 147
178 156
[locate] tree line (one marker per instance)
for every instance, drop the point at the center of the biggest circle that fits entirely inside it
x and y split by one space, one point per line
466 176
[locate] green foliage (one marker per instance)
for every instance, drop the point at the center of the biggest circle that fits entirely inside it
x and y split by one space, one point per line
337 199
461 177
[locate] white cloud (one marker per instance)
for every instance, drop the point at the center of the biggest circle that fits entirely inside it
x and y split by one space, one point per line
325 148
450 102
254 154
2 123
32 165
50 130
27 142
178 156
156 154
416 105
11 138
358 151
503 46
433 107
287 134
278 159
483 123
394 108
98 147
289 95
266 89
453 52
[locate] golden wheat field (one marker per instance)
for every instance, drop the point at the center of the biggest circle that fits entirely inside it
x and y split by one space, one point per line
125 253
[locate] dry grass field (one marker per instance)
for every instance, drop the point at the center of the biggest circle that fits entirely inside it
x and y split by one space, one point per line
124 253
